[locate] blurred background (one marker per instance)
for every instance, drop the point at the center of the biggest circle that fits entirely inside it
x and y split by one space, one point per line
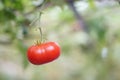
88 32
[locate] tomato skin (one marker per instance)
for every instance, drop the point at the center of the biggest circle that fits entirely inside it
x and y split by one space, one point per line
43 53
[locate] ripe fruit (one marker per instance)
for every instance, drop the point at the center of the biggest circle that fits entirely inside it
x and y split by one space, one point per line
43 53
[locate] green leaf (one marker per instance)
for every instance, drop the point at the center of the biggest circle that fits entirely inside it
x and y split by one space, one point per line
6 15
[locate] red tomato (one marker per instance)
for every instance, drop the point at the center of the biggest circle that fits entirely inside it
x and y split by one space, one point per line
43 53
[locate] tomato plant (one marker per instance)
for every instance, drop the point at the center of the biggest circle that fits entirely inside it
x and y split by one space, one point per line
43 53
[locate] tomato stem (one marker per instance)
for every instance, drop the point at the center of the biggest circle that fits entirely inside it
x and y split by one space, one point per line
41 40
41 35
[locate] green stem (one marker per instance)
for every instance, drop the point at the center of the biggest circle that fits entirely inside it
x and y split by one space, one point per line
41 34
40 28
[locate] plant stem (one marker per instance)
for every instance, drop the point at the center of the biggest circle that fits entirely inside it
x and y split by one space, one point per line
41 40
41 34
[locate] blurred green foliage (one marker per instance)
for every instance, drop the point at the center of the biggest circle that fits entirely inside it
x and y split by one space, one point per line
8 8
92 55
